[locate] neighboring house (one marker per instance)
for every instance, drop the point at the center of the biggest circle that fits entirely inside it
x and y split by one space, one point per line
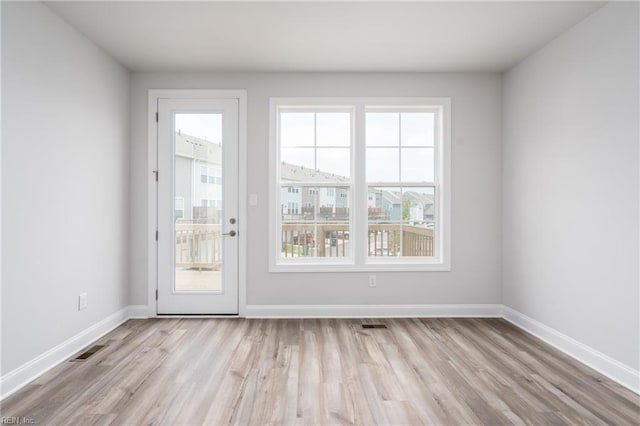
371 199
291 202
298 203
416 213
390 202
426 201
198 179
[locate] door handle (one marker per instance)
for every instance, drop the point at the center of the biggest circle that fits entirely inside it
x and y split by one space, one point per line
231 233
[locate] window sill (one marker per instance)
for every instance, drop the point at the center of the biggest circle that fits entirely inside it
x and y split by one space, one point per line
404 266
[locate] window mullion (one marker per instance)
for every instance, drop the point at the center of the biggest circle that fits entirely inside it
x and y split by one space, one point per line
400 175
360 216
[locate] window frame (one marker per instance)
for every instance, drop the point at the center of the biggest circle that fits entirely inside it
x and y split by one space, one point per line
358 186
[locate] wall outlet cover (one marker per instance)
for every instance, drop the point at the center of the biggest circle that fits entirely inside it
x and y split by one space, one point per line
82 302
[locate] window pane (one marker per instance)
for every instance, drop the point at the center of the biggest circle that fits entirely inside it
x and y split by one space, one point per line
333 129
418 224
418 204
384 215
309 200
301 157
384 204
333 161
202 126
400 221
417 165
383 239
382 129
417 128
320 227
298 240
298 213
333 222
198 150
383 165
297 129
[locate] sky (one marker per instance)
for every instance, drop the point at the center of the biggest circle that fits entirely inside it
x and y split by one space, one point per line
205 126
392 139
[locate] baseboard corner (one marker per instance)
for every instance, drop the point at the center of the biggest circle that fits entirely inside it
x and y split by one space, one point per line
138 312
27 372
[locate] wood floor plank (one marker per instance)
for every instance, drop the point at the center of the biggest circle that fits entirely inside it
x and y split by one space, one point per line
576 381
323 372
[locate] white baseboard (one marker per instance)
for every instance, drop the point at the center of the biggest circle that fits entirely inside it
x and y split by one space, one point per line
615 370
371 311
606 365
14 380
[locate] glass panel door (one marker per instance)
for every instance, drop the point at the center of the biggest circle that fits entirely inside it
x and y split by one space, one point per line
197 206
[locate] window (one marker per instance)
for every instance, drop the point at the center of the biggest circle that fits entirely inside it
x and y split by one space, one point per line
216 204
215 175
179 208
211 175
204 174
400 170
362 184
314 163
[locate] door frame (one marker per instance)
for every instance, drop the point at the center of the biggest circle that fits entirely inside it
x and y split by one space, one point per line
152 188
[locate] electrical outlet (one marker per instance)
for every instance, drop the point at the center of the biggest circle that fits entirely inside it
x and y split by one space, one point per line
372 281
82 302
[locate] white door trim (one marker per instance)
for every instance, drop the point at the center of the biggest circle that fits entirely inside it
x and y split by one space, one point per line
152 190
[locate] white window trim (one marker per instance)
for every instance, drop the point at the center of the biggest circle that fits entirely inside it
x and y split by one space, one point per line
358 196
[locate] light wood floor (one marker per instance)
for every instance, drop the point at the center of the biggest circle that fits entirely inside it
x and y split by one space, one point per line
330 371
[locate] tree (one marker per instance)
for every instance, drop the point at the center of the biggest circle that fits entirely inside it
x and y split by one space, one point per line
406 208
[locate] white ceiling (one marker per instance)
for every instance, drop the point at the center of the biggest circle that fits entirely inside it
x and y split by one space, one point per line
321 36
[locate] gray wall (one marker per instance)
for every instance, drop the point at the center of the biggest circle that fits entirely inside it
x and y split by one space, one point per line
65 167
476 242
570 188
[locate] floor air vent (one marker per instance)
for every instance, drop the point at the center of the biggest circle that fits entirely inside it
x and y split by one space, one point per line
86 354
374 326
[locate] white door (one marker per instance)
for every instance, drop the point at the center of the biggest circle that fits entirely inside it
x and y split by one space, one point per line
197 206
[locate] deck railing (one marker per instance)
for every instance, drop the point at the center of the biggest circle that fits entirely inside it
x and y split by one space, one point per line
332 240
300 240
198 246
385 240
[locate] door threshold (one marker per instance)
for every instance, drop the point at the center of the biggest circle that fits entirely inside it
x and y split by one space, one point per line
198 316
